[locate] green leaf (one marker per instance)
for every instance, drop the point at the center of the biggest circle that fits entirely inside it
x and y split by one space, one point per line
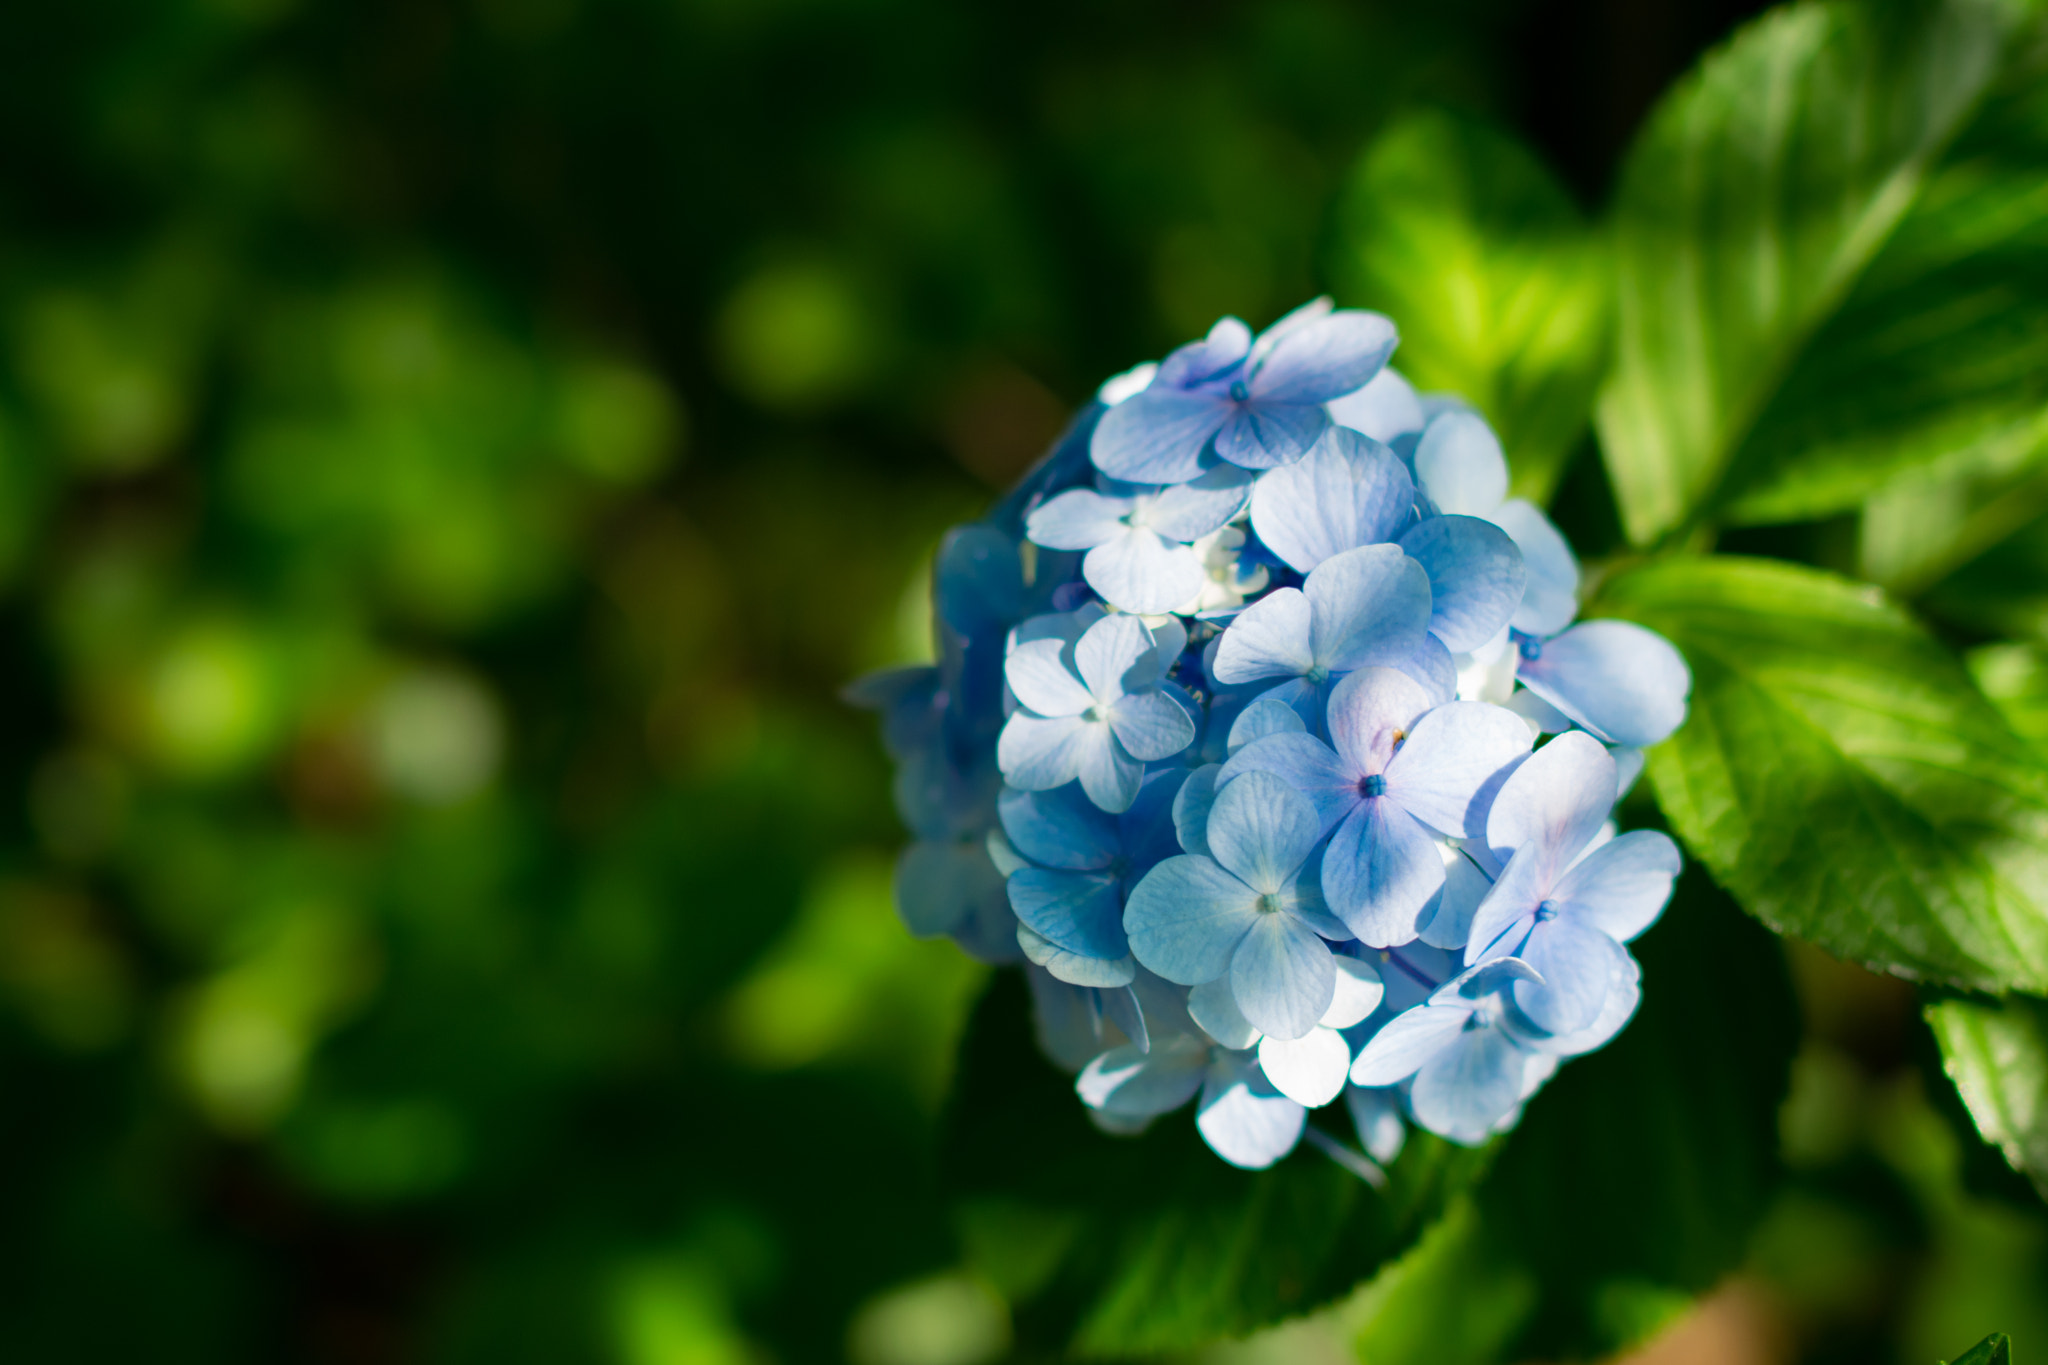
1457 1298
1840 775
1995 1349
2015 678
1153 1243
1637 1177
1466 240
1996 1052
1761 191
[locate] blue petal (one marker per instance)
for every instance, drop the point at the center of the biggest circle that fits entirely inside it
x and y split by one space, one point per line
1315 361
1371 606
1309 1070
1186 918
1081 912
1210 360
1142 571
1038 674
1432 666
1469 1087
1306 765
1244 1119
1448 760
1475 578
1377 1116
1115 656
1368 709
1078 519
1147 830
1212 1006
1138 1084
1037 754
1550 598
1076 969
1346 492
1157 437
1380 872
1153 726
1191 808
1465 887
1272 638
1384 409
1406 1043
1460 465
1624 993
1282 976
1120 1011
1266 435
1192 510
938 884
1509 908
1359 992
978 580
1555 802
1578 964
1622 886
1619 680
1261 830
1063 1018
1062 828
1266 716
1109 774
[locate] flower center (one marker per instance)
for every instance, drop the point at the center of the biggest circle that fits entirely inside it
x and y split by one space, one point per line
1375 784
1531 647
1546 912
1318 675
1094 714
1238 392
1269 905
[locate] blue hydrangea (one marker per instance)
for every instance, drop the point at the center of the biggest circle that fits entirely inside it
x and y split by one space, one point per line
1264 735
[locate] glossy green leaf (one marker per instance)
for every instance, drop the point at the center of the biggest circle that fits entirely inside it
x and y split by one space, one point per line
1843 778
1466 240
1762 190
1996 1052
1458 1297
1995 1349
1154 1244
2015 678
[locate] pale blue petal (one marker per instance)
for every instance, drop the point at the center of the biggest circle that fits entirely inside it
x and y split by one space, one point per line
1541 714
938 884
1283 976
1475 578
1346 492
1306 765
1470 1086
1359 992
1551 596
1622 886
1209 360
1448 759
1368 709
1377 1116
1266 716
1384 409
1146 831
1619 680
1164 1004
1432 666
978 580
1191 808
1153 726
1465 887
1143 571
1261 829
1266 435
1303 898
1038 674
1037 754
1311 1069
1380 872
1315 361
1371 606
1131 1083
1578 964
1555 801
1244 1119
1121 1012
1063 1017
1624 994
1109 774
1628 766
1075 969
1460 465
1080 912
1157 436
1407 1042
1509 906
1003 853
1192 510
1078 519
1186 918
1212 1006
1272 638
1116 656
1061 828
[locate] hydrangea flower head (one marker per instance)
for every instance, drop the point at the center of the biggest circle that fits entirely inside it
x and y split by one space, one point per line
1264 734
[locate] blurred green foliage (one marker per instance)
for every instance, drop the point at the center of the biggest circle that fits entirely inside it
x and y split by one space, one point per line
451 452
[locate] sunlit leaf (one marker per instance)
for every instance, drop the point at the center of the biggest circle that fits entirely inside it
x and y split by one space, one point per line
1995 1349
1840 775
1462 236
1996 1052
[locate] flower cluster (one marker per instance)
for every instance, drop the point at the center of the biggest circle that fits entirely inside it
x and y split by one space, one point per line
1263 735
